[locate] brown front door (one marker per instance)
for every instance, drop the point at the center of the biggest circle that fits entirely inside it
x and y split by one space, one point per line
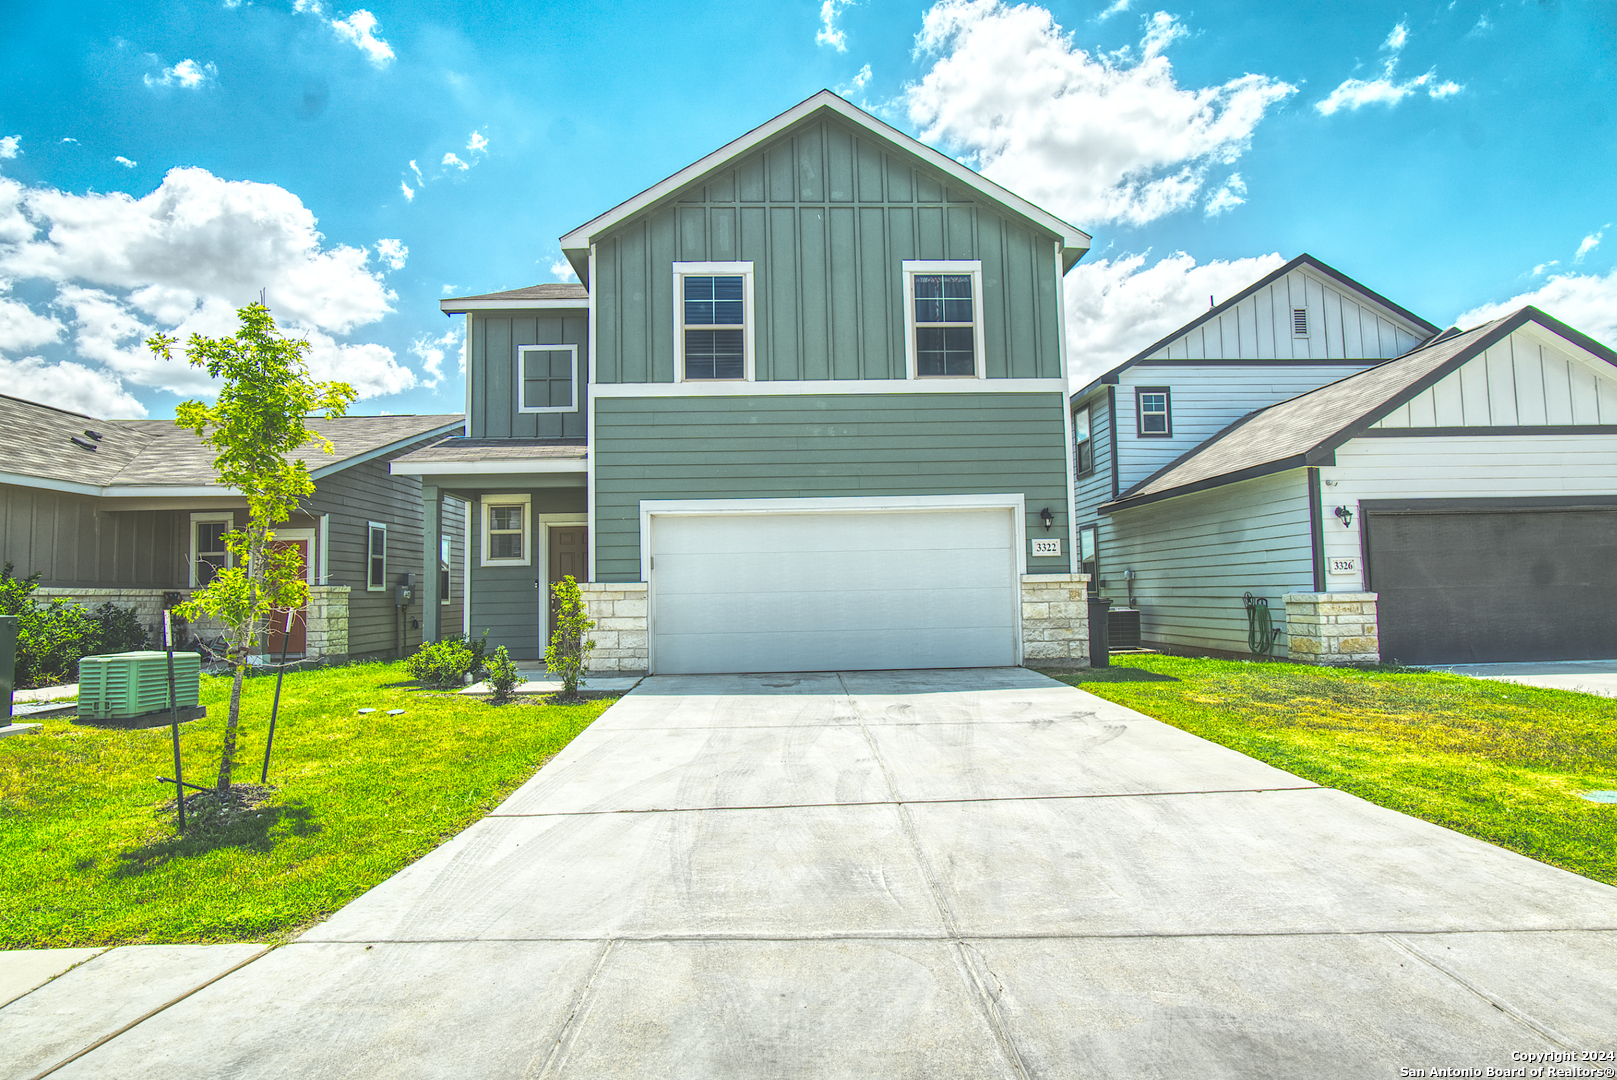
569 554
298 642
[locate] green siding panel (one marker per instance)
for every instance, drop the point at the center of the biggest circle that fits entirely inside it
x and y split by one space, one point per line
505 599
825 446
495 339
827 215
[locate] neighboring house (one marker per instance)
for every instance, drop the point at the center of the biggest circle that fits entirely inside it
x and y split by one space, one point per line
130 511
806 411
1455 504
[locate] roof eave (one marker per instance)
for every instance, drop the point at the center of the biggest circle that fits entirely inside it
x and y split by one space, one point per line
380 451
461 307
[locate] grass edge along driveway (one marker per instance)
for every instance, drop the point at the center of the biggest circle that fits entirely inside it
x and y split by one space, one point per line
88 850
1494 760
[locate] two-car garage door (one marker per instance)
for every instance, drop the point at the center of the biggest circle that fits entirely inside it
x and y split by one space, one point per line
832 590
1480 586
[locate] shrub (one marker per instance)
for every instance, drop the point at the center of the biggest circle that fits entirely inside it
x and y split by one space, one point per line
117 629
569 650
50 637
503 677
442 664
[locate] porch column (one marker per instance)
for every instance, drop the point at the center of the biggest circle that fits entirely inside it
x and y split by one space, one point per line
431 616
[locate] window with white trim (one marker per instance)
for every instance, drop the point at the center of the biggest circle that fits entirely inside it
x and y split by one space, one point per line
547 378
376 557
208 552
943 314
1153 412
713 321
506 530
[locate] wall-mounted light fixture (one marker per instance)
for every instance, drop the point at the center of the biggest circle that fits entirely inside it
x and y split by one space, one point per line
1345 516
1048 518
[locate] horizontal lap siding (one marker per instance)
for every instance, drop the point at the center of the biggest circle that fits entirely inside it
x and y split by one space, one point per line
73 540
813 446
505 599
495 339
827 218
1459 467
1195 556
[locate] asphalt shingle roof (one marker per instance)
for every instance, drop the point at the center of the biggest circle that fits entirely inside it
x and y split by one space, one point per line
549 291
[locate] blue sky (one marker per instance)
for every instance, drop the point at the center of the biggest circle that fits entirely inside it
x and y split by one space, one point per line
161 163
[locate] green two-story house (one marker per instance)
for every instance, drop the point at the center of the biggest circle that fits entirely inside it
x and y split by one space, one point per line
805 410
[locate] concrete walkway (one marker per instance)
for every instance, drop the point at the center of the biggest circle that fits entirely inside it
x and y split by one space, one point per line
905 874
1587 676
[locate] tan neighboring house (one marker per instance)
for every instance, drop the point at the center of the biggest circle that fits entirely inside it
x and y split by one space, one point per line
131 512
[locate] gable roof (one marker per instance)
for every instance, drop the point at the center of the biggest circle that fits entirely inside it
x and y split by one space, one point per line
1307 429
1302 261
575 245
141 457
554 294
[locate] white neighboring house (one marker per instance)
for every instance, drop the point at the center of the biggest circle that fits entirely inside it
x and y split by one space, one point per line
1457 504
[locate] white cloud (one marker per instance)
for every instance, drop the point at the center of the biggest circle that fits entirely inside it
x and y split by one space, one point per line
1355 94
67 385
182 259
1116 307
451 161
358 29
1094 138
1227 197
449 290
829 33
562 270
125 162
1538 270
432 350
1586 302
419 179
409 192
392 252
477 144
70 139
857 84
1116 9
11 145
1590 242
187 75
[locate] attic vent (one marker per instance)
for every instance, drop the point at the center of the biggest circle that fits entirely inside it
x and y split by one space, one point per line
1299 322
96 435
85 443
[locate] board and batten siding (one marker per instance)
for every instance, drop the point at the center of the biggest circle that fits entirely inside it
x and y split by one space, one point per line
495 338
352 499
826 216
1456 467
505 599
799 446
1204 401
75 540
1518 382
1343 325
1194 558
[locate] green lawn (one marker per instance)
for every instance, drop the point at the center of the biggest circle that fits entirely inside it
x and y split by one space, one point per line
1500 762
89 853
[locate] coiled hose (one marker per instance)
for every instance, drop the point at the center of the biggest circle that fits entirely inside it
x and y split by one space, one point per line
1260 633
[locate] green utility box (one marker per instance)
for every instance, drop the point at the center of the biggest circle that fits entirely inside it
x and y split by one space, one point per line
128 685
8 664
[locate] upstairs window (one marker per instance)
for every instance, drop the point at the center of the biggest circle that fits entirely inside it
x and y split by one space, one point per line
1083 447
713 321
943 309
376 557
547 378
1154 412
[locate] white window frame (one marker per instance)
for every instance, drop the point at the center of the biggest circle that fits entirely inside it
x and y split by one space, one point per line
370 530
522 401
682 270
487 502
228 520
974 267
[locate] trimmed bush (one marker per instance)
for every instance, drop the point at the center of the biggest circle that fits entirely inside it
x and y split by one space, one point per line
443 664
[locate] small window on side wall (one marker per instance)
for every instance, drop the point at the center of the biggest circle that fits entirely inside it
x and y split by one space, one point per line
1083 446
376 557
1088 556
1153 412
547 378
944 319
505 530
444 551
713 321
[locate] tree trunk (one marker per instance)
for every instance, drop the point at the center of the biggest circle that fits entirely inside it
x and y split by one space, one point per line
240 649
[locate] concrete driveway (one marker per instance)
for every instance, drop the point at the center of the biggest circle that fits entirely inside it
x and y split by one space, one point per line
1585 676
906 874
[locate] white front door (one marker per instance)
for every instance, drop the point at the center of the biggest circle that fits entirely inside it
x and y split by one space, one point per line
833 590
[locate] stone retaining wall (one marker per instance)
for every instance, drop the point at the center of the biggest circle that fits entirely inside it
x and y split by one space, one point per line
1332 628
1055 620
622 644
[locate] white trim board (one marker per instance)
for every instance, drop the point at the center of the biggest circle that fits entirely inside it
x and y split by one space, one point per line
575 244
466 307
827 387
489 468
522 405
972 268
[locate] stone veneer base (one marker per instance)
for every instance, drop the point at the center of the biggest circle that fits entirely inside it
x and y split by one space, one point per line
1332 628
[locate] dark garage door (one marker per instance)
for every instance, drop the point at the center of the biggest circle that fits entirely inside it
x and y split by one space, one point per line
1480 587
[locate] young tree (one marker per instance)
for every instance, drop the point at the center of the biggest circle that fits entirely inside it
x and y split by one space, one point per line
266 396
569 651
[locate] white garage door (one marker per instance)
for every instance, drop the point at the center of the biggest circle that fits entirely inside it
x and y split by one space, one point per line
831 591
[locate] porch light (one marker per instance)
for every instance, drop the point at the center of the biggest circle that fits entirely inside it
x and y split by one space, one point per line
1047 518
1345 516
